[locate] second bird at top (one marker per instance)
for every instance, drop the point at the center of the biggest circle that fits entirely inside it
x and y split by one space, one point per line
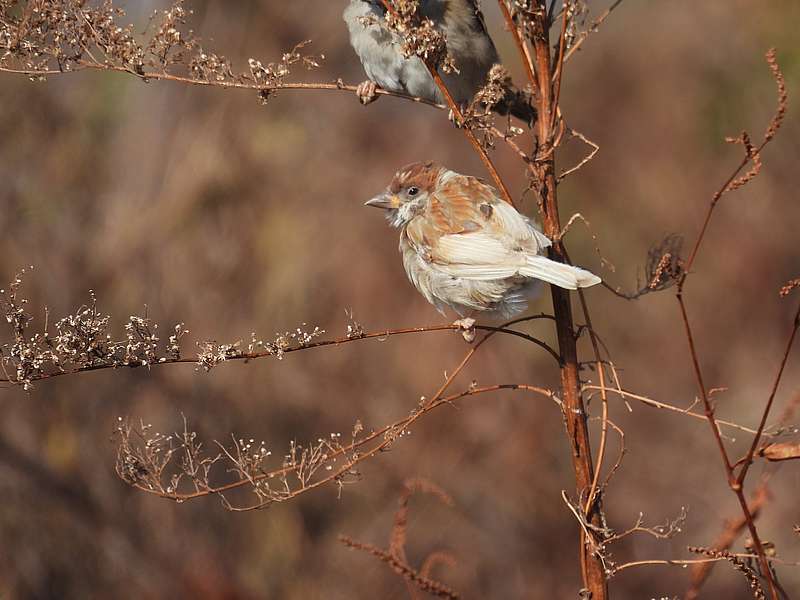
468 42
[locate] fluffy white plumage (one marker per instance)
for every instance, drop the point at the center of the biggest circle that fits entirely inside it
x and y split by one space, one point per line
464 248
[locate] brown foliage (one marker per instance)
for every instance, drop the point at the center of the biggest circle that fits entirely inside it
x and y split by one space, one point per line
236 227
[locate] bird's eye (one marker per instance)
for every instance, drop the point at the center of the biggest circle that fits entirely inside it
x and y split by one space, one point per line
413 191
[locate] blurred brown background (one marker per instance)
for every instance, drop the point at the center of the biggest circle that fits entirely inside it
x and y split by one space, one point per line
233 217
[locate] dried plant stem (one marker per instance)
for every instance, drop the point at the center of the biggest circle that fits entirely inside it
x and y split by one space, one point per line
400 567
459 118
246 356
519 41
558 70
768 406
361 449
383 445
289 86
735 181
601 451
732 183
593 27
624 394
734 527
484 155
733 482
147 76
732 531
697 561
593 572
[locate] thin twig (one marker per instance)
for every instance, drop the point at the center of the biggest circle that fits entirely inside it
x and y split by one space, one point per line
522 47
426 584
656 404
401 425
592 28
732 183
459 117
247 356
774 390
695 561
725 540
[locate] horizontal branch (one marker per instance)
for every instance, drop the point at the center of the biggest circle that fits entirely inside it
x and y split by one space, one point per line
236 354
656 404
352 453
338 85
148 76
694 561
142 465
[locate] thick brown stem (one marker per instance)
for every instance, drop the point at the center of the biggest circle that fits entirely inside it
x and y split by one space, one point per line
575 418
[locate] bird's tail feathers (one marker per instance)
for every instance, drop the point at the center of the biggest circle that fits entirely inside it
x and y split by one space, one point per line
556 273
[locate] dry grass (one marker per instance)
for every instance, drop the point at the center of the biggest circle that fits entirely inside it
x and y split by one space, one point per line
47 39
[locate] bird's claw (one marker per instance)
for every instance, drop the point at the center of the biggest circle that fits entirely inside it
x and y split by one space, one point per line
366 92
453 117
467 328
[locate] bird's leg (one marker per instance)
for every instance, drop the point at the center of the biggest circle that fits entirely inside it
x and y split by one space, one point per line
366 91
467 327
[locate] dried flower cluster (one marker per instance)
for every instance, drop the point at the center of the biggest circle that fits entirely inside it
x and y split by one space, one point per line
789 286
83 341
664 267
395 556
354 329
738 564
212 353
55 36
177 466
272 76
479 116
80 341
420 35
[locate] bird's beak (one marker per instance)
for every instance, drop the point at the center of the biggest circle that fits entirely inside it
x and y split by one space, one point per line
386 201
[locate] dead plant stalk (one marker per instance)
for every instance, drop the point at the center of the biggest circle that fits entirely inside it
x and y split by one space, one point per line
575 417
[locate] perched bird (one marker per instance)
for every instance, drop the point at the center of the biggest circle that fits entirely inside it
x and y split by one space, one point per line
465 248
468 42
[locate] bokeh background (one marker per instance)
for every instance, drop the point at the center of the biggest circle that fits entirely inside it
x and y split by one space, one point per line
232 217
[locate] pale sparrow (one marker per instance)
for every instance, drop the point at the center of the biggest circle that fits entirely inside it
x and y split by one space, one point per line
465 248
468 42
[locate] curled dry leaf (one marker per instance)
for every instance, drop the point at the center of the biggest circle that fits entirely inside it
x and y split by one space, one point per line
780 451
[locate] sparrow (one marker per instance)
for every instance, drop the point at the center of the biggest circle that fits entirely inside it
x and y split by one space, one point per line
465 248
468 42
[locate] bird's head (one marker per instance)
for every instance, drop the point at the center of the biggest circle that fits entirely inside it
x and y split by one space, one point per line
408 193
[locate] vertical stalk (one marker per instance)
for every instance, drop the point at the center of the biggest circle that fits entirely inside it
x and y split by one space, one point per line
575 418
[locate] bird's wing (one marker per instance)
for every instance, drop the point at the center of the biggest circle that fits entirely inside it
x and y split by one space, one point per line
375 45
463 204
481 256
477 256
519 227
467 231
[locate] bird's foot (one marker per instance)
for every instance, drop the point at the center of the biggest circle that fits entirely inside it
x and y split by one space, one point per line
467 328
453 118
366 92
